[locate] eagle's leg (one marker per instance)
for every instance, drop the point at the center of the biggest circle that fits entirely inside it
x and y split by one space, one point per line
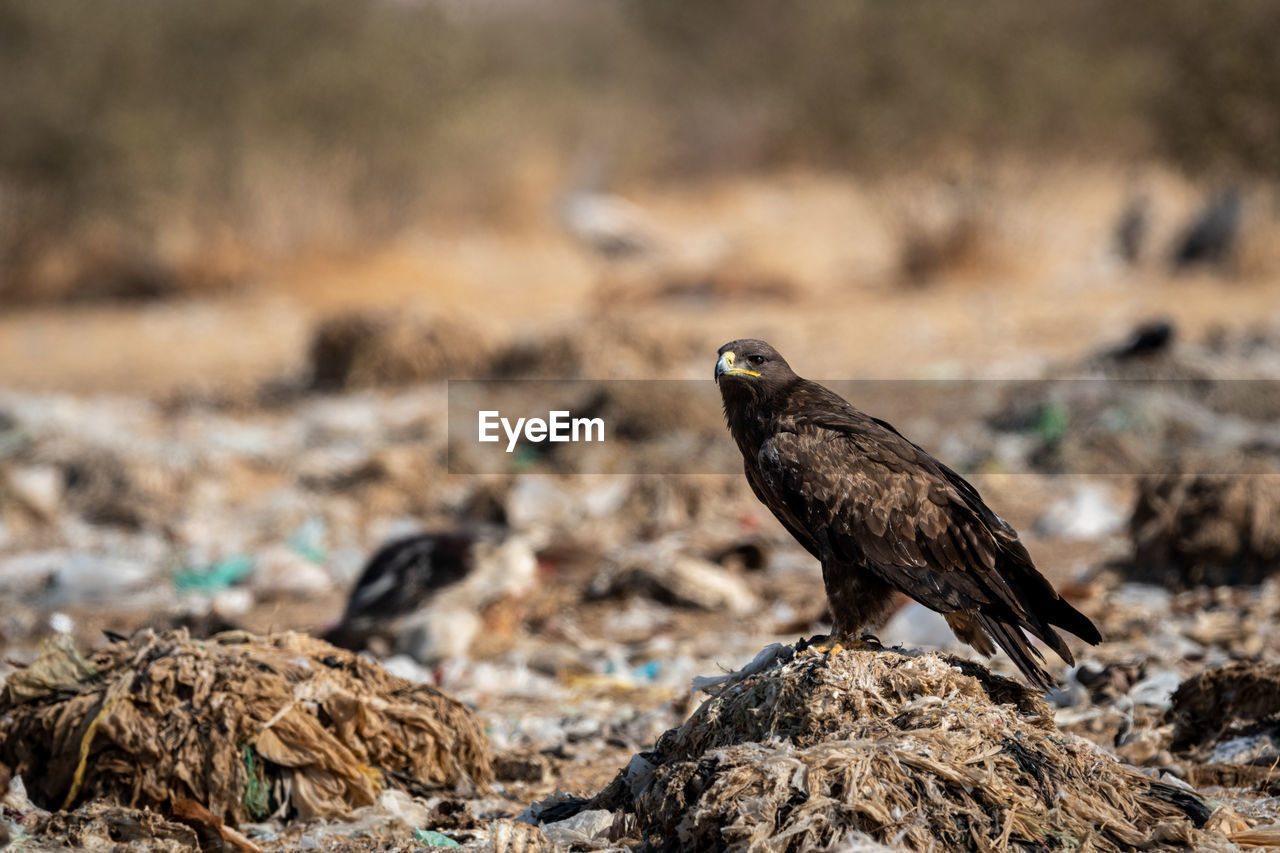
859 601
821 644
833 643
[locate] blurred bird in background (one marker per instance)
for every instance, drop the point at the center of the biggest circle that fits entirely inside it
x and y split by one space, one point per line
1132 228
429 595
1210 238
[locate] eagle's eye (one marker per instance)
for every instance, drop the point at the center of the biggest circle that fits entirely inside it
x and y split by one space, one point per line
756 359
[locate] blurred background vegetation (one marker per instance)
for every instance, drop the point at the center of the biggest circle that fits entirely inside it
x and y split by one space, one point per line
188 127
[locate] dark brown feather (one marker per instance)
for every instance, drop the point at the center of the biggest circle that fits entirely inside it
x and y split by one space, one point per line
882 515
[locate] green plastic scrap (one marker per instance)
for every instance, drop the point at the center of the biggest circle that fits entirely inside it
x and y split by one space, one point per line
1051 422
308 540
525 458
431 838
220 575
257 793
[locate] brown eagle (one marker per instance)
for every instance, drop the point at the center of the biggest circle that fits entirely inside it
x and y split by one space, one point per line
882 515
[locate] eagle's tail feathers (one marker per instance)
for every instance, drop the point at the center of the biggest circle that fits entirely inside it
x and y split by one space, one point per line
1065 616
1042 630
1025 656
1046 606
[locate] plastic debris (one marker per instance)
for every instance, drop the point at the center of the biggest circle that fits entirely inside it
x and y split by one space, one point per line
1191 530
1216 702
431 838
101 826
1156 689
1088 512
513 836
107 495
920 751
60 666
537 501
394 814
219 576
661 572
1263 747
309 540
39 488
244 725
281 572
768 656
86 578
585 826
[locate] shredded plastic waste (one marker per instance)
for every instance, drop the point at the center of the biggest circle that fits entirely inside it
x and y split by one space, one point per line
243 725
60 666
926 752
220 575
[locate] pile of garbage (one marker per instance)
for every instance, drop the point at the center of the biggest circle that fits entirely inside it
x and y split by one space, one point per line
1206 530
800 751
1226 724
388 348
247 727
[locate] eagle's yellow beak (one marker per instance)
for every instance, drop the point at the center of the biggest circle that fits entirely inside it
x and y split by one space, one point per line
725 365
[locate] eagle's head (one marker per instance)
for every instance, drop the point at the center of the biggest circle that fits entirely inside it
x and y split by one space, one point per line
750 369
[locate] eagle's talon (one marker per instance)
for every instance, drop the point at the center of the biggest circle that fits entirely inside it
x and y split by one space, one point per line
819 644
871 642
834 644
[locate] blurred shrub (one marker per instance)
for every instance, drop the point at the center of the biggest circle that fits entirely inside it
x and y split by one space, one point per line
1216 103
187 125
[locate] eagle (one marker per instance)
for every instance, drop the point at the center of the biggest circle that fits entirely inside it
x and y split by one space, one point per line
883 516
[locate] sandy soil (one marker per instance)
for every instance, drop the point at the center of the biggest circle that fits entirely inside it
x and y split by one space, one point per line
811 263
1041 286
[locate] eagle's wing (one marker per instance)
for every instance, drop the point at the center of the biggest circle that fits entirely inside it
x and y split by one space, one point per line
871 506
869 497
798 533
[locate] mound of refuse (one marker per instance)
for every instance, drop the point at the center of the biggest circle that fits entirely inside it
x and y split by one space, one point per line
1226 725
801 751
245 726
1206 529
367 349
594 350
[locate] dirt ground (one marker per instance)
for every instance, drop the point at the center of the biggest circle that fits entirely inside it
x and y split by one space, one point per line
1041 285
182 461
